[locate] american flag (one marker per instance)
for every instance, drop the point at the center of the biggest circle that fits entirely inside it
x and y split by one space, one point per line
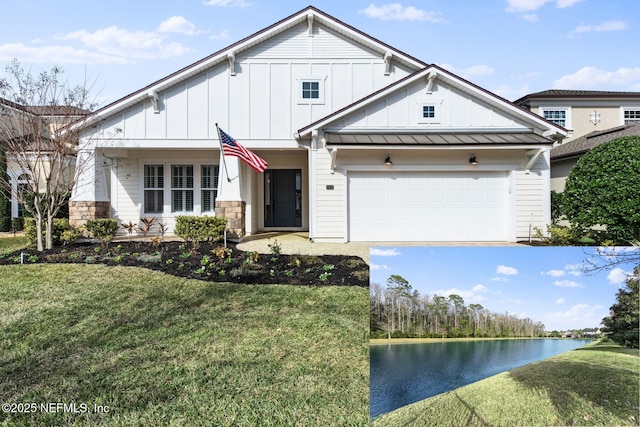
232 148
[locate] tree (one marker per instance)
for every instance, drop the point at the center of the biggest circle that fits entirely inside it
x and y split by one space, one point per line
602 189
36 134
5 196
624 318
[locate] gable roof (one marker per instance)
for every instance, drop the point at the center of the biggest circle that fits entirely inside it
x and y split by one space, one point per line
581 145
308 13
434 71
576 94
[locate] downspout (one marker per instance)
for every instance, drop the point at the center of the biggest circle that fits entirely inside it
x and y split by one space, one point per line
313 152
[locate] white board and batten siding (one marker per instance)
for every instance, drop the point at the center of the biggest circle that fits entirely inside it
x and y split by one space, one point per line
260 102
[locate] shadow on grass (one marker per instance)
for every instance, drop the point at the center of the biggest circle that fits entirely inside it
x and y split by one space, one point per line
610 347
576 385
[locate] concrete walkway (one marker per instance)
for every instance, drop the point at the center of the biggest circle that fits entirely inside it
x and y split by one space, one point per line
297 243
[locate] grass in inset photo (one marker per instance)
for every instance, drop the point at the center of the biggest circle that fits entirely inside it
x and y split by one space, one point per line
596 385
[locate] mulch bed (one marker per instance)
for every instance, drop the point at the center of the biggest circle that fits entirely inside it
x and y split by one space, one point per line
208 262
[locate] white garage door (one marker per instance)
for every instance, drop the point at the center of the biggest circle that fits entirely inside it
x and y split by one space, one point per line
428 206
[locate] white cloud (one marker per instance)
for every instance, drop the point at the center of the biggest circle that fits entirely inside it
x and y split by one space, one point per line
554 273
512 93
55 53
474 70
560 301
127 44
224 34
588 77
528 5
602 27
398 12
469 296
618 276
384 252
379 267
226 3
178 24
499 279
480 288
574 269
531 17
580 315
509 271
567 284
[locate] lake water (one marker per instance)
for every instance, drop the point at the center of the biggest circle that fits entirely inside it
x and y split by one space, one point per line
405 373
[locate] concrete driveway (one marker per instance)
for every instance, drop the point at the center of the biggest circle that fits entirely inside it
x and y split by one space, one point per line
297 243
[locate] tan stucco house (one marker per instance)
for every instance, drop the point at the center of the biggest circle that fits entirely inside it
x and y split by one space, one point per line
591 117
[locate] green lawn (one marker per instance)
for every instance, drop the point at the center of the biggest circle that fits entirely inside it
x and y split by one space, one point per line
159 350
10 244
597 385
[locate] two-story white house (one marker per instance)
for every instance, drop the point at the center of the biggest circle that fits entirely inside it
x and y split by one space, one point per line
363 143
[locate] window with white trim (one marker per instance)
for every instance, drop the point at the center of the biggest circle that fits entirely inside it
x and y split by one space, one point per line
153 189
208 187
558 116
429 113
310 89
181 188
631 115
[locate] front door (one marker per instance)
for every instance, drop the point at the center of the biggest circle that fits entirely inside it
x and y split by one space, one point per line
283 198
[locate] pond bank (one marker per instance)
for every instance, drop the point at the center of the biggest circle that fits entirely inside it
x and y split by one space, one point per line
594 385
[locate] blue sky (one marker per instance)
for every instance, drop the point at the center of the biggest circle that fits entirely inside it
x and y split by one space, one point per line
510 47
546 284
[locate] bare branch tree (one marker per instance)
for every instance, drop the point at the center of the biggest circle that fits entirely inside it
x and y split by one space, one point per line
604 258
36 114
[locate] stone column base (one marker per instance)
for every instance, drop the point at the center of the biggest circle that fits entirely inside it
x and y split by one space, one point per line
235 214
80 212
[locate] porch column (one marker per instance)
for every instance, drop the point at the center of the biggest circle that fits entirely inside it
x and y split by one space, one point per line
229 203
89 198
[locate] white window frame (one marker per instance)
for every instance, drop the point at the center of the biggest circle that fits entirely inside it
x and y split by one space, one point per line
183 189
161 188
633 121
437 112
567 115
213 187
16 183
167 188
311 79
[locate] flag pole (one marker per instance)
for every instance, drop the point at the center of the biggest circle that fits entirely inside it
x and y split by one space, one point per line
222 152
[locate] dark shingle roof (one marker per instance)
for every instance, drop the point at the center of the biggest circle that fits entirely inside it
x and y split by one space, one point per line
565 93
586 142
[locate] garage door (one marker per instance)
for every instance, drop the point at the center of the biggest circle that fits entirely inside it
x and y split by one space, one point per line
428 206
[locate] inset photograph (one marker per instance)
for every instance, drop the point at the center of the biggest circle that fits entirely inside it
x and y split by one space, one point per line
504 336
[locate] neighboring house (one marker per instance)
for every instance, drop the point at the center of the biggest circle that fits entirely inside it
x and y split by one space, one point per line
363 143
592 333
28 126
584 113
565 156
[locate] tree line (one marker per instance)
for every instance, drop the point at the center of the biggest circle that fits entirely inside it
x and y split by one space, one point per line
399 311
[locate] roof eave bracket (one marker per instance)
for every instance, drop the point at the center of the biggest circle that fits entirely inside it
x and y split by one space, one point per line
535 155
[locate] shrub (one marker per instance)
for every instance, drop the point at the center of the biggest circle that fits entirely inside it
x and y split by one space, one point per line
104 229
70 235
602 190
60 225
17 224
196 229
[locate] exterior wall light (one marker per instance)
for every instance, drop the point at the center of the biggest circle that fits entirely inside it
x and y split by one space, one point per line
388 161
473 160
